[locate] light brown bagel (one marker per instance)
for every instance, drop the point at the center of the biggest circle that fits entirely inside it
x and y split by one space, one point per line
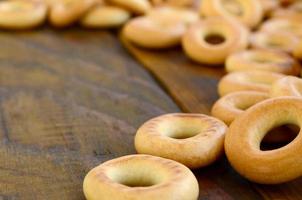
293 12
232 37
242 143
268 6
264 60
279 41
287 86
136 6
20 14
173 2
298 51
249 12
104 16
247 80
194 140
153 33
66 12
230 106
166 13
140 177
283 25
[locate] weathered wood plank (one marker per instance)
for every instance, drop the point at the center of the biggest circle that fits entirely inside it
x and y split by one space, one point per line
68 101
194 87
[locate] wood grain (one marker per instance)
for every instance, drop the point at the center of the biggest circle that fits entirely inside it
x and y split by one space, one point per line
68 101
194 86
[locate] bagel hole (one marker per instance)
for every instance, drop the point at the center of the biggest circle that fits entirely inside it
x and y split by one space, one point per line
214 38
233 7
279 136
136 175
181 129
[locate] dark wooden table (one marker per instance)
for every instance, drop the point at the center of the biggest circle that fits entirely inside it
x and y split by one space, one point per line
72 99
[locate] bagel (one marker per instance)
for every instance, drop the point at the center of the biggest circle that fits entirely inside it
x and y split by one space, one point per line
20 14
211 40
194 140
230 106
184 15
153 33
298 51
242 143
137 177
264 60
136 6
279 41
247 80
173 2
66 12
104 16
287 86
268 6
249 12
283 25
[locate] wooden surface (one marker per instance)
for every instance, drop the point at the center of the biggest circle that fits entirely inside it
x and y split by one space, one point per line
72 99
194 88
68 101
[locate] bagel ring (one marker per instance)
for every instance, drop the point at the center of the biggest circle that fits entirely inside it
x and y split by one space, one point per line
230 37
136 6
174 14
257 59
298 51
249 12
247 80
20 14
279 41
153 33
230 106
194 140
287 86
137 177
66 12
173 2
283 25
293 12
268 6
104 16
242 143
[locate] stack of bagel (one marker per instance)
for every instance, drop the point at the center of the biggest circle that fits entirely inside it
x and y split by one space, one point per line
260 44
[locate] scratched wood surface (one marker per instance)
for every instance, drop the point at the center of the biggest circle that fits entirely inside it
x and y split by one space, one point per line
194 88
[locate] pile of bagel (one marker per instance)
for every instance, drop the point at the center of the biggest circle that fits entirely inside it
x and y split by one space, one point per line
260 44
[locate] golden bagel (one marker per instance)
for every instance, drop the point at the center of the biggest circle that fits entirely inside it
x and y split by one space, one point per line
153 33
20 14
184 15
279 41
173 2
264 60
137 177
298 50
211 40
230 106
136 6
247 80
66 12
194 140
242 143
287 86
268 6
283 25
104 16
249 12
